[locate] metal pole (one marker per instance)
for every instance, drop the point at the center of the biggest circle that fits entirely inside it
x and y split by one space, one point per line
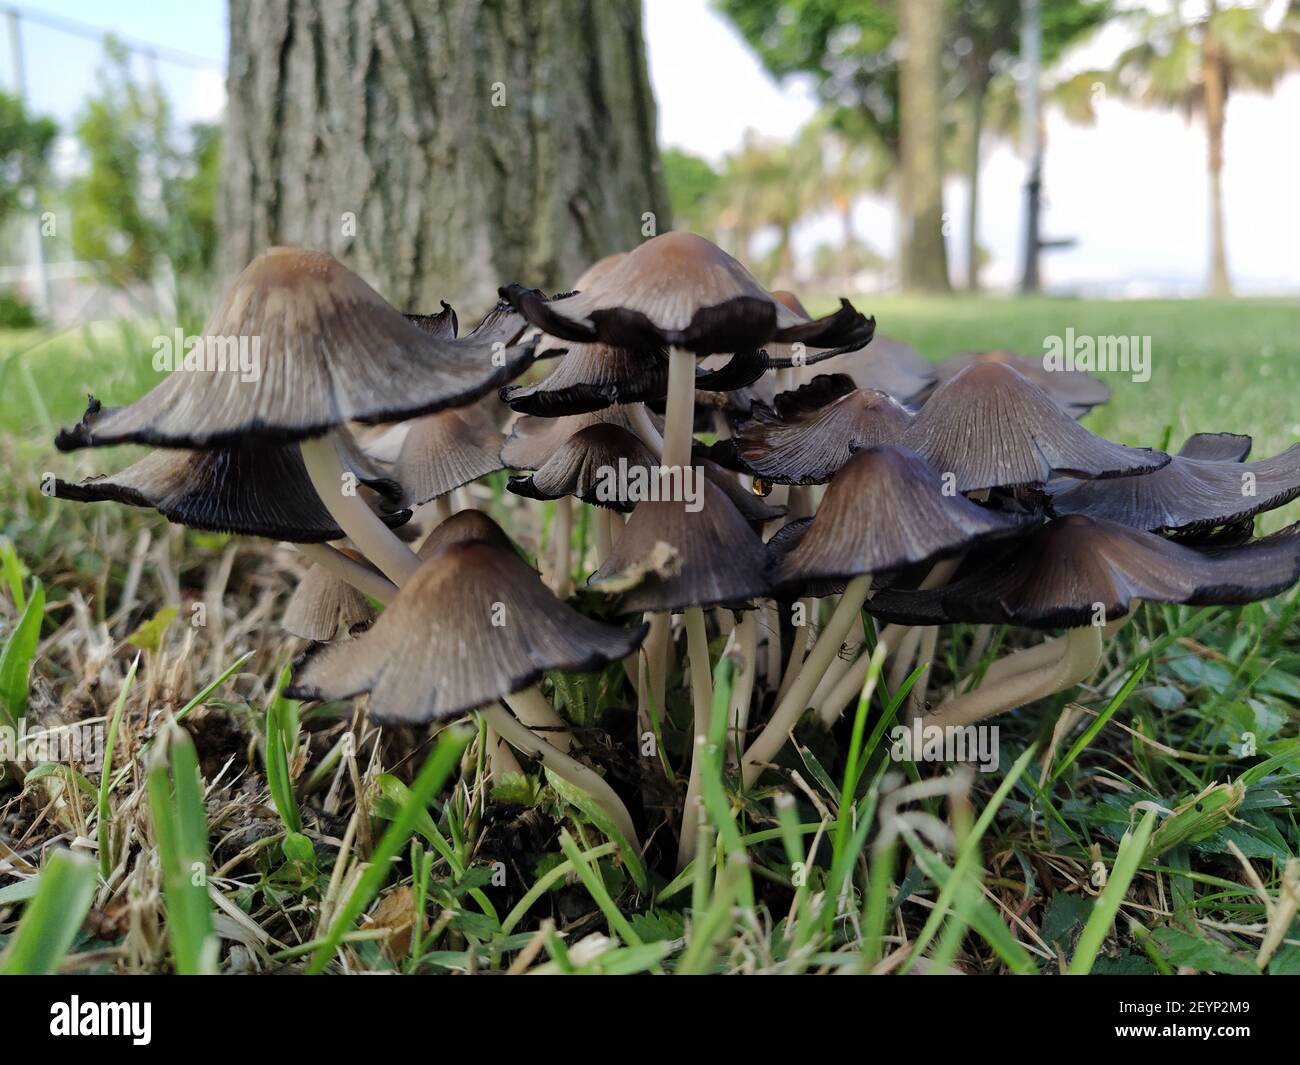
1031 54
41 288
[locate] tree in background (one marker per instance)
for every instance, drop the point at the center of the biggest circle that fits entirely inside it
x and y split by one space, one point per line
441 147
692 186
1193 63
25 142
924 260
144 201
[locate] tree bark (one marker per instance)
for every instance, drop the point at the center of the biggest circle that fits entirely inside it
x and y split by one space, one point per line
441 147
1215 106
924 254
977 92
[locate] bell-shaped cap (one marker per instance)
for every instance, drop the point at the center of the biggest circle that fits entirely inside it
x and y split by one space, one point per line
885 509
991 427
669 557
1219 447
254 490
597 465
474 624
322 604
301 344
809 433
885 365
443 451
1075 390
680 290
1078 571
1188 494
533 440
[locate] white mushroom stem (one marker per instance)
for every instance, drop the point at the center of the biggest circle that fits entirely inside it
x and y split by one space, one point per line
901 667
337 488
697 650
535 711
562 548
772 621
349 571
501 759
799 648
849 686
1077 663
679 410
638 416
929 641
790 709
604 534
562 765
745 644
651 679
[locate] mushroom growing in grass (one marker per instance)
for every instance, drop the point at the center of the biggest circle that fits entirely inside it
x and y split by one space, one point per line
1076 391
329 350
322 604
885 509
1086 576
669 559
474 627
444 451
990 427
1187 495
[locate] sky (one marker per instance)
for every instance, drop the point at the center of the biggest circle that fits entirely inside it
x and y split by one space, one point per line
1131 191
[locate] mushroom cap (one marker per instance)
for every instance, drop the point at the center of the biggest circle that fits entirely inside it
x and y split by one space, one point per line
668 558
809 433
1222 447
1076 390
465 526
1065 572
992 427
680 290
753 508
886 365
582 467
474 624
591 377
1188 495
886 508
533 440
443 451
330 350
321 604
444 325
254 490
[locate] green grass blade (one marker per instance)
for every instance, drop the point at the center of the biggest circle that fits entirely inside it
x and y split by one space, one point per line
53 916
104 819
1131 850
281 721
16 658
1099 722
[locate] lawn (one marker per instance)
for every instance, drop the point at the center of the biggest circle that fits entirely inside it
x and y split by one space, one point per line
1160 798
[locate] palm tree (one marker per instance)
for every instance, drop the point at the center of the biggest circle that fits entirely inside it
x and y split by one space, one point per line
1194 64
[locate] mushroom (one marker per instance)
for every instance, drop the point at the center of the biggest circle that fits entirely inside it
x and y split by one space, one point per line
474 626
533 440
329 350
1222 447
1077 391
591 465
885 509
990 427
441 452
885 365
808 434
322 604
1085 575
1187 495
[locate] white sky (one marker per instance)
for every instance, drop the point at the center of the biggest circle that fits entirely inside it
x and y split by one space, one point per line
1132 189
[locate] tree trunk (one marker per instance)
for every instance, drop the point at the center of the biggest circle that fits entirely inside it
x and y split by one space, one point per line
973 182
924 255
441 147
1215 105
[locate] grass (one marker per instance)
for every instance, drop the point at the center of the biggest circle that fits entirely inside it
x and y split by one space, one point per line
1148 827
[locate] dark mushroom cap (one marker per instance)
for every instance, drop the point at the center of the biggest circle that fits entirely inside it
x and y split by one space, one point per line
444 325
809 433
1061 574
753 508
591 377
583 466
502 325
1191 495
463 527
330 350
446 450
668 558
533 440
779 545
255 490
1222 447
886 365
1076 390
886 508
321 604
474 624
992 427
680 290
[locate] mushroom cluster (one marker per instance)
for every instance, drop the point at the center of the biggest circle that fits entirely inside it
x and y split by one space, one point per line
788 487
